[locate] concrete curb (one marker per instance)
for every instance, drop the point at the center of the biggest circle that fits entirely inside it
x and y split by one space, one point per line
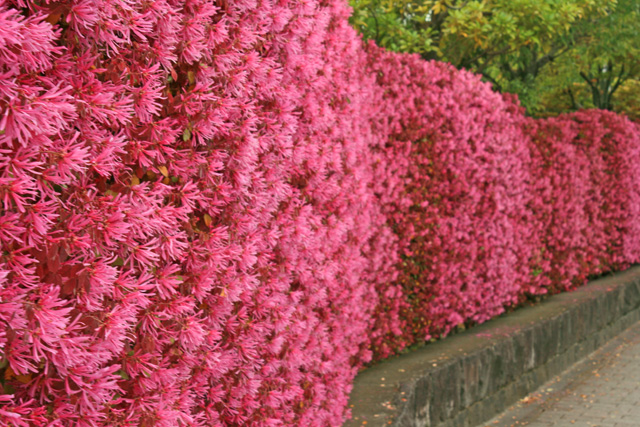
471 377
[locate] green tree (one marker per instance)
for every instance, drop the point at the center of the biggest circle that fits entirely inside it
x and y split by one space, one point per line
510 42
602 68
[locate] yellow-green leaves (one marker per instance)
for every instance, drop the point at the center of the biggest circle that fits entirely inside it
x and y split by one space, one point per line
508 41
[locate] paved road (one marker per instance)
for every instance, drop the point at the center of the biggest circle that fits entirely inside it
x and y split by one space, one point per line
603 390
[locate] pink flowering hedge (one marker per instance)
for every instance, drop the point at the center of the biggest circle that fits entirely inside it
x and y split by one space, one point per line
458 162
188 218
586 195
214 212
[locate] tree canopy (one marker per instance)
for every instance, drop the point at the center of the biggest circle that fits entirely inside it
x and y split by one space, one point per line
557 55
602 68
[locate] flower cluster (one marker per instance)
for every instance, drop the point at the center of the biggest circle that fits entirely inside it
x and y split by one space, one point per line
586 195
490 207
456 193
214 212
188 223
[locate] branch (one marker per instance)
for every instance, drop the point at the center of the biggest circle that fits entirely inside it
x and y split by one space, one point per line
606 83
455 7
595 92
588 80
551 56
620 80
487 55
574 103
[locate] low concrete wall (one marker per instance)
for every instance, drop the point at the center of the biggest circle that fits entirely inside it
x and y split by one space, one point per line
469 378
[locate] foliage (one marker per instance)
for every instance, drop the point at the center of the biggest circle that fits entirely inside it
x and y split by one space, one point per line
461 215
509 42
586 194
627 100
493 207
214 214
605 59
187 213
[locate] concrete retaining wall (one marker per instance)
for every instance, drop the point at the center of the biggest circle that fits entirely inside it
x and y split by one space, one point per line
469 378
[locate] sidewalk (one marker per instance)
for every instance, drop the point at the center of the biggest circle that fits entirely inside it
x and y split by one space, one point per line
602 390
474 375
